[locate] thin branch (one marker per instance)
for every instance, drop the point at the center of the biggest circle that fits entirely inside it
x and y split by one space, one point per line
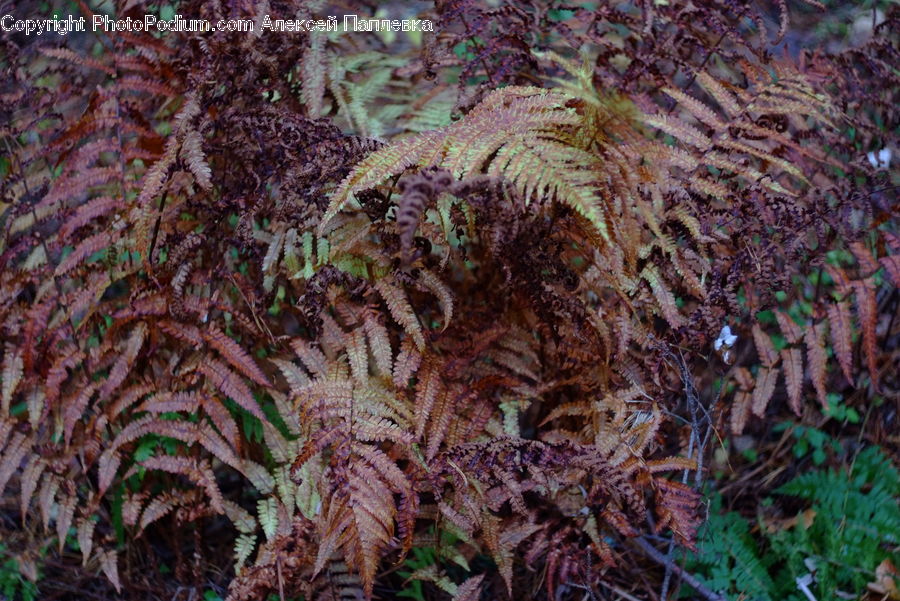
691 581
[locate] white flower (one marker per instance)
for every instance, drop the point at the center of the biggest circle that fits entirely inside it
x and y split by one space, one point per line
882 160
726 339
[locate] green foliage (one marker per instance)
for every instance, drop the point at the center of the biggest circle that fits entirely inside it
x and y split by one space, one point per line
857 519
850 525
14 586
808 439
419 558
839 411
728 555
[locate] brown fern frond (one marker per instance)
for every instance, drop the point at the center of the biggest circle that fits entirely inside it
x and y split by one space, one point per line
817 360
470 590
365 512
742 403
433 284
13 369
792 361
236 355
192 155
764 347
766 380
402 312
676 506
83 251
231 385
123 364
198 472
524 150
840 326
867 311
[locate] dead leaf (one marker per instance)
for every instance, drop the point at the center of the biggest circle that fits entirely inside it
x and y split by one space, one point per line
775 525
885 580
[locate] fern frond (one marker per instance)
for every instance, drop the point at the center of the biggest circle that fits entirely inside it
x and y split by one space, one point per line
817 360
157 509
361 519
267 511
109 563
14 451
192 155
766 380
243 548
406 364
379 343
470 590
764 348
533 136
401 310
792 360
236 355
663 296
427 390
840 326
197 471
230 384
312 358
85 537
123 364
358 355
867 311
83 251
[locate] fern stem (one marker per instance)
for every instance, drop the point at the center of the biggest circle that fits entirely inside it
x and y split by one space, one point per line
480 52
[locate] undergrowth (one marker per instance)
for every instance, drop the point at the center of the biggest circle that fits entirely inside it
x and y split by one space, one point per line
847 525
290 314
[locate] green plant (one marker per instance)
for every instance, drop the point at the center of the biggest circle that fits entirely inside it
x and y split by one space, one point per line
855 524
419 559
428 564
850 525
18 577
808 439
728 556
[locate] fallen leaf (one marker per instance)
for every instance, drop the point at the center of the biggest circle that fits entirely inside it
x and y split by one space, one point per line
885 580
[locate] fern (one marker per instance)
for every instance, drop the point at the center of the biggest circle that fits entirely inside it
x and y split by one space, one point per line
847 531
733 563
313 289
532 148
856 521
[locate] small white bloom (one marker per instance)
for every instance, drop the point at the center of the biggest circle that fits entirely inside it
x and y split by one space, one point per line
882 160
872 160
726 339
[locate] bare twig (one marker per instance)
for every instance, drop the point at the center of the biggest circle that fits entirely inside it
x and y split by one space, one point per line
623 594
691 581
700 419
